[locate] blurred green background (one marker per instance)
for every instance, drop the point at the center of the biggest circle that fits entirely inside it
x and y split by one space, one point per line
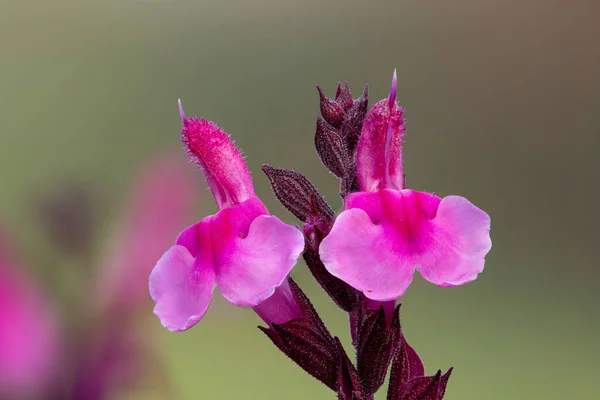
502 102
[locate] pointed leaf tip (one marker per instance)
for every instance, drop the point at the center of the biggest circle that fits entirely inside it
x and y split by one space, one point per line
338 90
181 112
393 89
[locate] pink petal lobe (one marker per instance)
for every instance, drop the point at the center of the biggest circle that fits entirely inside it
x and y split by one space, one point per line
251 267
364 255
182 283
460 240
382 237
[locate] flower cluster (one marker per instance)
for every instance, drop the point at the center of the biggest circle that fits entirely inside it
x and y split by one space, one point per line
364 257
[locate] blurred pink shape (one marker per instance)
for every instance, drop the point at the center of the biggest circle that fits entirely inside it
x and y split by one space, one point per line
160 206
29 332
161 200
32 363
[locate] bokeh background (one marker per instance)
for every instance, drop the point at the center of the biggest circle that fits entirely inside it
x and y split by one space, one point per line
502 102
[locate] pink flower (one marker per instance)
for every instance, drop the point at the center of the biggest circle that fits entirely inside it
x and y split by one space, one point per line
29 333
241 249
388 231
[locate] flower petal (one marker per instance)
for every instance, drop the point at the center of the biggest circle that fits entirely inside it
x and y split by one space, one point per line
251 267
190 238
182 287
460 239
364 255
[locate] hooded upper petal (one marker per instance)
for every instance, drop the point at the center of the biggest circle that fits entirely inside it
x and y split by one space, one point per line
224 167
382 237
379 151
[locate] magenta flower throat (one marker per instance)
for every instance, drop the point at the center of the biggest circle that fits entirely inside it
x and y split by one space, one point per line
364 258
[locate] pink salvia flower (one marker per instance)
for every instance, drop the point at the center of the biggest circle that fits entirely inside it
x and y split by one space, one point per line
241 249
387 232
29 333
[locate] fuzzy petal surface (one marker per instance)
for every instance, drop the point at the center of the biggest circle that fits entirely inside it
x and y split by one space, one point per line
382 237
213 150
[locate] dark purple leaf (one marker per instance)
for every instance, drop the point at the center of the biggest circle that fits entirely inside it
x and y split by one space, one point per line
349 384
309 310
297 193
444 383
306 345
407 365
376 347
307 341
